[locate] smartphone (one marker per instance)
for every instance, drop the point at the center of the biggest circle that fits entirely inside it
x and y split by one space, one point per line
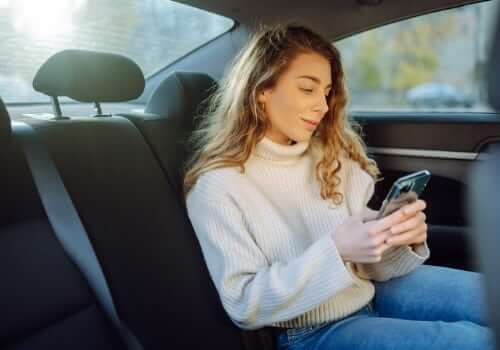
404 190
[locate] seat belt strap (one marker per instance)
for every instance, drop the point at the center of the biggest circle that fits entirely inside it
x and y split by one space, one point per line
67 225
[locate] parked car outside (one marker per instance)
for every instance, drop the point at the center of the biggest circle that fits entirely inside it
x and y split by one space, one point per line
438 95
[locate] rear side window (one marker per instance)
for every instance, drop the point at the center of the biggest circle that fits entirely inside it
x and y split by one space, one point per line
432 62
151 32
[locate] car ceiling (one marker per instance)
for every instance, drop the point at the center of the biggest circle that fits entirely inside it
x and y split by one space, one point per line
343 18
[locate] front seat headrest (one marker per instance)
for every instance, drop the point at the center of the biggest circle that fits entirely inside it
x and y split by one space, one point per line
88 76
5 129
181 97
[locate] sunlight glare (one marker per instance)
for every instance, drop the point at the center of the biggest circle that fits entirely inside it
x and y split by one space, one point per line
45 19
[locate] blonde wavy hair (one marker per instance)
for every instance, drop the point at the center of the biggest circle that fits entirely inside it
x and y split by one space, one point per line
235 122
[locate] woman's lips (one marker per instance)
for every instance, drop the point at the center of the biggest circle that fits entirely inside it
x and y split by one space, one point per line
311 124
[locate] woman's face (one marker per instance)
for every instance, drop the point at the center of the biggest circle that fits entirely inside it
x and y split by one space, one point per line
297 103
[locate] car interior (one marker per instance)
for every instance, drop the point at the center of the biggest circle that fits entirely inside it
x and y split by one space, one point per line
118 165
481 196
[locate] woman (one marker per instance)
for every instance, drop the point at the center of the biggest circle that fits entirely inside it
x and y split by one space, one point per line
277 193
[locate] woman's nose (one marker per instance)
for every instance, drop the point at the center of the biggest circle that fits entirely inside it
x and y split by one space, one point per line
322 105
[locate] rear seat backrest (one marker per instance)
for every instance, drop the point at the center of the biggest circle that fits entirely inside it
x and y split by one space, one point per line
176 104
44 300
145 242
141 234
170 118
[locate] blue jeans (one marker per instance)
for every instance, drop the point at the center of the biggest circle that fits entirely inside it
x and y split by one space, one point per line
431 308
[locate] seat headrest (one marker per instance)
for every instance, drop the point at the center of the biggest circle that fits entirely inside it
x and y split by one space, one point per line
5 130
88 76
181 97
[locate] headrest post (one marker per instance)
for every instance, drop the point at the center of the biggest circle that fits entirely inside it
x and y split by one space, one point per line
98 108
57 109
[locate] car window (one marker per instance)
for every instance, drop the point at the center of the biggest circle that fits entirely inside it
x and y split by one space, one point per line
151 32
431 62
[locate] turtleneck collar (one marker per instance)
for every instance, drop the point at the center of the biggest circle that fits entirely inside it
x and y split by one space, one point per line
270 150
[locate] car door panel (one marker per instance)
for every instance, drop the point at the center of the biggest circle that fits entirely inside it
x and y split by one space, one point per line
447 146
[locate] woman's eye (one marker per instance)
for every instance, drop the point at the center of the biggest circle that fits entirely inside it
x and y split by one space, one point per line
306 90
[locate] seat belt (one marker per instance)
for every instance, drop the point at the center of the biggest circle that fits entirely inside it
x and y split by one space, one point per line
66 224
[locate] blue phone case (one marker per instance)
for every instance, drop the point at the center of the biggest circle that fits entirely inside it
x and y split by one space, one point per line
404 190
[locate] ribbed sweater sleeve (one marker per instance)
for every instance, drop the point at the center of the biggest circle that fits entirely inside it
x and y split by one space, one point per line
396 262
254 292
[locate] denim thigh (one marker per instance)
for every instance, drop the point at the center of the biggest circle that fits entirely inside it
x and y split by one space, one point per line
432 307
433 293
296 338
382 333
368 331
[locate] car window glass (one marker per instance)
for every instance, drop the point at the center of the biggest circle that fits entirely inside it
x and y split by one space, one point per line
153 33
431 62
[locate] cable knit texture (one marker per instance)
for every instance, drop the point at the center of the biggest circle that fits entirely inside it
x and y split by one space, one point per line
266 237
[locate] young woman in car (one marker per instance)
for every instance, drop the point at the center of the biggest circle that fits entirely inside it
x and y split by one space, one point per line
277 193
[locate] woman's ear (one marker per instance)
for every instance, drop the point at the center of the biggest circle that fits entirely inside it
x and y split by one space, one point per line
263 95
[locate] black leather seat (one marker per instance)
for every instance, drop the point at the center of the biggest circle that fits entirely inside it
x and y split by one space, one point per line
483 196
45 302
139 229
171 114
170 117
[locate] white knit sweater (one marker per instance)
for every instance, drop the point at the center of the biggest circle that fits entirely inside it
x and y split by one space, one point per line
266 236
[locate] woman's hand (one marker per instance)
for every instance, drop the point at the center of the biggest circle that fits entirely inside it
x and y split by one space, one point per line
409 226
361 242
